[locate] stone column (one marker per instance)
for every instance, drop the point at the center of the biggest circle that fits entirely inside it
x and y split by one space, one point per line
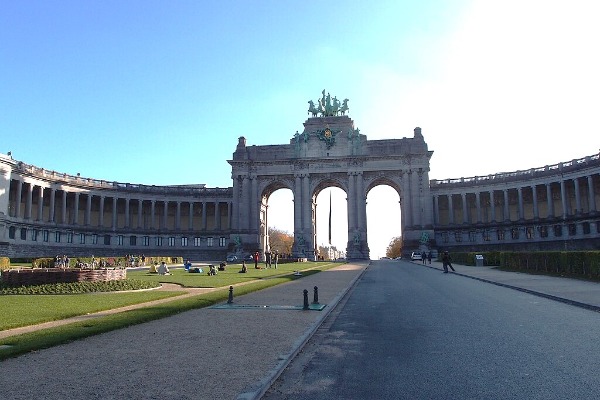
591 194
40 216
351 205
361 205
536 212
127 217
520 199
549 200
152 214
178 216
114 213
29 201
191 216
307 211
254 202
563 198
577 197
506 207
237 186
217 216
101 212
464 208
229 214
165 214
297 205
64 208
478 205
450 210
140 218
436 209
51 211
18 198
493 206
76 209
88 209
204 215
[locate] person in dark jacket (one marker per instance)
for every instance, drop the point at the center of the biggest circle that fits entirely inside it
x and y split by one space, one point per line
447 262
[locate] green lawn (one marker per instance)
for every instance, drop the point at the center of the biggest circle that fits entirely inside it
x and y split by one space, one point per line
21 310
230 276
18 308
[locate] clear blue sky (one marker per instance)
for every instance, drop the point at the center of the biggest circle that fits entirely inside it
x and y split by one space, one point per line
158 92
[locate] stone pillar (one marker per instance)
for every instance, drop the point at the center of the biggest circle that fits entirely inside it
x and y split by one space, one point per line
351 206
549 200
307 211
436 209
88 209
229 213
407 190
536 209
19 198
563 198
361 205
217 216
76 209
29 201
165 214
237 186
153 214
254 202
178 216
127 217
114 213
577 197
591 194
191 216
140 218
450 210
506 207
64 208
478 205
520 199
297 205
464 208
493 206
101 212
40 215
51 211
204 215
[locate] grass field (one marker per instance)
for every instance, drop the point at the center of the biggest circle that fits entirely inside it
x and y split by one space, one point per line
20 309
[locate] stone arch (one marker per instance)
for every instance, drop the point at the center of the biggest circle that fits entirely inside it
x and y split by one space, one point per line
267 189
330 152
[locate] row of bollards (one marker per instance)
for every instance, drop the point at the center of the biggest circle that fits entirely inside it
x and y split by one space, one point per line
315 298
305 307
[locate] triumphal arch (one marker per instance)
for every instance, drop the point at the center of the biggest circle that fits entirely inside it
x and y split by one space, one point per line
330 151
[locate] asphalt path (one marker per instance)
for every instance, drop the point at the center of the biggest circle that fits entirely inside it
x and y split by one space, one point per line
408 332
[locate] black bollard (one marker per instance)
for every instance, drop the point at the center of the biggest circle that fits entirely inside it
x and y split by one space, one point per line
305 299
316 296
230 300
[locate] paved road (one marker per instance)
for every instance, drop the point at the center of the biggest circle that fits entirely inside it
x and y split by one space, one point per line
408 332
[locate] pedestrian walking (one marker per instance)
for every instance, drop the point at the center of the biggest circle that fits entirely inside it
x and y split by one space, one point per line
429 257
447 262
276 257
424 257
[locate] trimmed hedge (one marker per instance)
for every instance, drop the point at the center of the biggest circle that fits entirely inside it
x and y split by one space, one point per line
576 264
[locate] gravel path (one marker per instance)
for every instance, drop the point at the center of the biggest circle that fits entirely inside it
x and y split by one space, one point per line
208 353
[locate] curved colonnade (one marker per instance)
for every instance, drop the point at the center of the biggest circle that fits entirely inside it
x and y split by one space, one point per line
45 213
549 208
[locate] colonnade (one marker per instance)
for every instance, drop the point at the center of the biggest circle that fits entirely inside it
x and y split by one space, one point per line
76 207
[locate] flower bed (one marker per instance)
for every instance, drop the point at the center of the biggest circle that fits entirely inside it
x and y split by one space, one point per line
41 276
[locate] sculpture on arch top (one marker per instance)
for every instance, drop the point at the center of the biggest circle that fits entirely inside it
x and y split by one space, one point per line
327 106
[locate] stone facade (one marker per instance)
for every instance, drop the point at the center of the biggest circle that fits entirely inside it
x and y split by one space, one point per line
45 213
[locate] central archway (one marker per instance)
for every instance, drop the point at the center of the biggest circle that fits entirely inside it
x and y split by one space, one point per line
329 152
